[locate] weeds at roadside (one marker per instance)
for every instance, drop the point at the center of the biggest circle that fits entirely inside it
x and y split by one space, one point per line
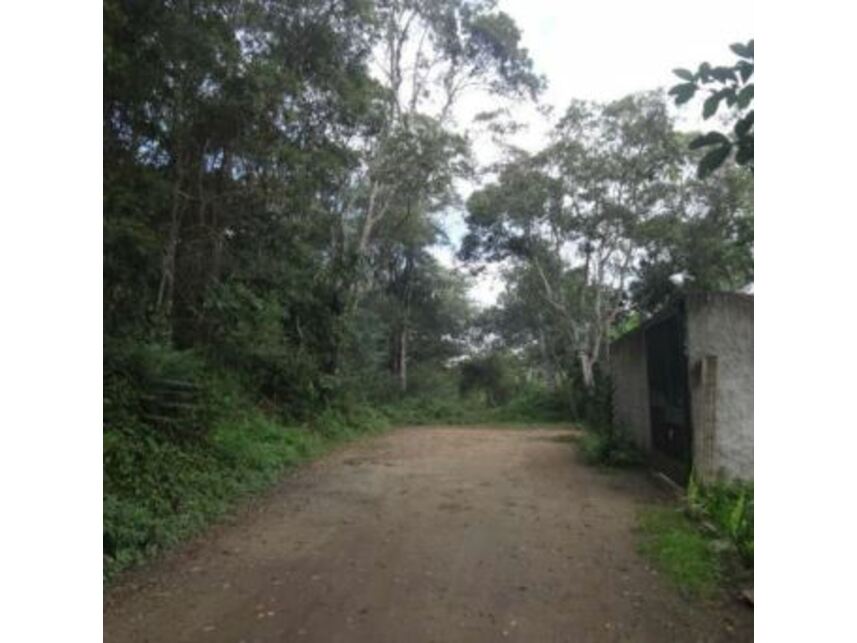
528 407
609 447
708 543
674 543
161 488
170 472
728 507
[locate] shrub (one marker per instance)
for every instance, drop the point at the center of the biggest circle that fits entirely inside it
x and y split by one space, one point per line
609 446
161 387
729 506
535 403
151 361
591 406
437 410
492 375
529 404
158 489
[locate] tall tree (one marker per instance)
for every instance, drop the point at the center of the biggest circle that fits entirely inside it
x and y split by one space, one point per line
429 55
270 165
571 213
705 243
239 115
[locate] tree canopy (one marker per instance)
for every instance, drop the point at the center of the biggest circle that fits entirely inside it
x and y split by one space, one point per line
724 85
278 178
594 226
274 170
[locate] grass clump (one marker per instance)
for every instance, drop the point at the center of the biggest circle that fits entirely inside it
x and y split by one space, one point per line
677 547
729 507
608 446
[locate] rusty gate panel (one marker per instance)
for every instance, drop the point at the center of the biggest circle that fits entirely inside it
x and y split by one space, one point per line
669 399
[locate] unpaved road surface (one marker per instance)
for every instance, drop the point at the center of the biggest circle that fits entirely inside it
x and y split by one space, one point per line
426 534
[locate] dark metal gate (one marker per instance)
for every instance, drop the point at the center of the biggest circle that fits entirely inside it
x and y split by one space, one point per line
669 400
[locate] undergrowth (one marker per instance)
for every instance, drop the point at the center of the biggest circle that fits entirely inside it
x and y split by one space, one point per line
708 542
158 492
529 406
728 506
680 550
165 481
163 485
608 446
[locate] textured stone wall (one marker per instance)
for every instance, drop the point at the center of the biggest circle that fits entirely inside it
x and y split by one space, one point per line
631 387
720 361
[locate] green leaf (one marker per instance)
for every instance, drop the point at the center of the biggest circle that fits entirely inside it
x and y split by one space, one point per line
683 92
744 51
709 108
684 74
745 96
744 125
724 74
713 160
712 138
744 156
745 69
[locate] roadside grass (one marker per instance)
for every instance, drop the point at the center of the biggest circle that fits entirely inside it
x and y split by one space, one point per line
164 481
159 491
705 544
162 488
677 547
531 408
608 447
728 508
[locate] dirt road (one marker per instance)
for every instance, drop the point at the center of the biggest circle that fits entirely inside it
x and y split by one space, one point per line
426 534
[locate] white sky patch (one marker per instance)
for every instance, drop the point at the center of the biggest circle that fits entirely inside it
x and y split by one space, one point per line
488 283
488 286
603 51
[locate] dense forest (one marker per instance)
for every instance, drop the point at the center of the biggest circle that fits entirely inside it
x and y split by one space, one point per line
277 175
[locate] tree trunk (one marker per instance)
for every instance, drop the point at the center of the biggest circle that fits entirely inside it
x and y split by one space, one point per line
587 370
548 366
403 359
166 288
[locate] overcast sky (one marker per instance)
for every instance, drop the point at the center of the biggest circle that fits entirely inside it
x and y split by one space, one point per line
603 50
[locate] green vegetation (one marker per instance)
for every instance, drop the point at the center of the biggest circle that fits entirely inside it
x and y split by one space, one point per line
593 227
677 547
277 179
609 446
730 86
729 507
163 483
157 492
706 544
530 405
167 476
269 208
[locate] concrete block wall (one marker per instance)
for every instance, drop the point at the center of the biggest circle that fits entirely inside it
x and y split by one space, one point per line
720 361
